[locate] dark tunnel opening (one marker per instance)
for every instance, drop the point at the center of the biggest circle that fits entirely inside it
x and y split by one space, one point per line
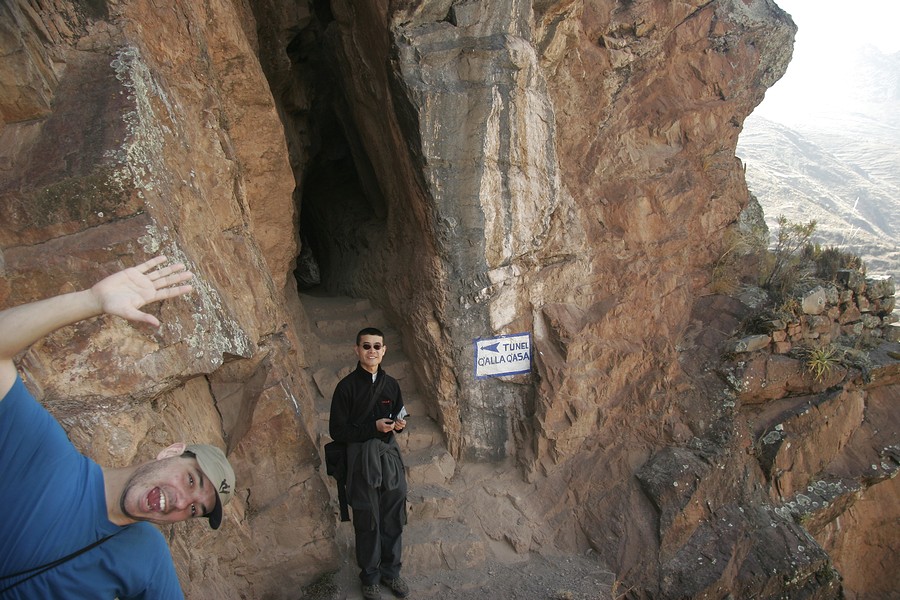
342 211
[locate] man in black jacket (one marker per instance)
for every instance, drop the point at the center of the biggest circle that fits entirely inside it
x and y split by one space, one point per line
366 409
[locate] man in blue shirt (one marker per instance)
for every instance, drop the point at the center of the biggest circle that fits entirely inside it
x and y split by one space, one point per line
72 529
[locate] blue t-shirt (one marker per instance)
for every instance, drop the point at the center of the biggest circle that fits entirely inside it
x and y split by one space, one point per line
53 504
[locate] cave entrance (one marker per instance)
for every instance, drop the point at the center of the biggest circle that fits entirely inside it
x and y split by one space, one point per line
342 210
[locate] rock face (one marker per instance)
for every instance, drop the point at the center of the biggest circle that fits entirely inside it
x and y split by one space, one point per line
474 169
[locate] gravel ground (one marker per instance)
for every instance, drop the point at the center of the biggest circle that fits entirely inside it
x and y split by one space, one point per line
504 574
537 578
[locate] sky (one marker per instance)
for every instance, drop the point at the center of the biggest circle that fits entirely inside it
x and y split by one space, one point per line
820 75
840 97
832 24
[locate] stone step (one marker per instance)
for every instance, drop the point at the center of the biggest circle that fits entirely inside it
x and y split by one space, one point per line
327 374
441 547
441 544
421 432
325 380
432 465
336 321
428 466
415 407
400 368
414 403
339 350
336 353
421 435
319 307
336 330
430 501
412 400
424 501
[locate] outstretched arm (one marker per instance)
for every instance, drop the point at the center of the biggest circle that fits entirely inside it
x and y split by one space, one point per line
121 294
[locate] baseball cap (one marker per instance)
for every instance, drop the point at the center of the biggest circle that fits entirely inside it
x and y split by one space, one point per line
218 471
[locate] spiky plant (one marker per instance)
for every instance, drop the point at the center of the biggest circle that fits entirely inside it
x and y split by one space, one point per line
821 361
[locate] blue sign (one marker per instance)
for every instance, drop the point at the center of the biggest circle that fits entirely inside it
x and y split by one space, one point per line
504 355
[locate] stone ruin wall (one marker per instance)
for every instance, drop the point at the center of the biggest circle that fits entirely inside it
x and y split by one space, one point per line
854 311
824 433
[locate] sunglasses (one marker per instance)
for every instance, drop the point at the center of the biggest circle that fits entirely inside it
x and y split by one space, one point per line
368 346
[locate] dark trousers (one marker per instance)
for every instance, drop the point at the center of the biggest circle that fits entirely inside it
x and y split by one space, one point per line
379 544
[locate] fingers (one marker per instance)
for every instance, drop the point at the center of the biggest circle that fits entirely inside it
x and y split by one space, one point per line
163 279
166 281
140 316
124 293
148 266
172 292
165 271
172 273
384 425
156 260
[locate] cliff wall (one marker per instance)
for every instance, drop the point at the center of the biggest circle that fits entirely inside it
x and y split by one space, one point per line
475 169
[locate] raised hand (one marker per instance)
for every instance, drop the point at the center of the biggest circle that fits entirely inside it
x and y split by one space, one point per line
124 293
121 294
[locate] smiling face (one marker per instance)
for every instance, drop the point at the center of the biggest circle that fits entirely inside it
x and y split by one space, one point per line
167 490
370 350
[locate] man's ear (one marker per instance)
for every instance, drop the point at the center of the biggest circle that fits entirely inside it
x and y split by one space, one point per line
176 449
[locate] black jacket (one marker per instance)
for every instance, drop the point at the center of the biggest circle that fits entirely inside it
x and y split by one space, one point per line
354 409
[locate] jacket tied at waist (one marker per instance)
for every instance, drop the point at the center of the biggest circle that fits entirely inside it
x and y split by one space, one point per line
372 465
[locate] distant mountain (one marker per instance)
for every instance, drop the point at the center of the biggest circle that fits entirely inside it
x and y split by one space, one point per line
829 149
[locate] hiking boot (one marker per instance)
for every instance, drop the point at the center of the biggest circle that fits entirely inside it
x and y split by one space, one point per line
371 592
397 586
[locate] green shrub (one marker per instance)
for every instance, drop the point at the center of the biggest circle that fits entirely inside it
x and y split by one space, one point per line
787 263
830 260
820 361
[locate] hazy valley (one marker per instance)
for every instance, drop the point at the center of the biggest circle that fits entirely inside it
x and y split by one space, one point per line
830 151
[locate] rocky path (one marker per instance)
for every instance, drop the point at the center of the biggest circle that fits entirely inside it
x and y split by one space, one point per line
447 553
